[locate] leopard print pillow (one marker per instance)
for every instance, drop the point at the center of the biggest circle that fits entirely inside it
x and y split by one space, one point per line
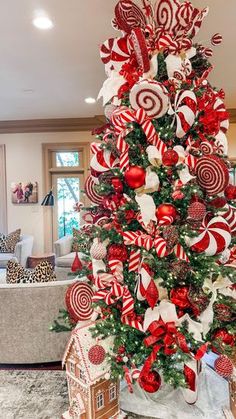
15 273
8 242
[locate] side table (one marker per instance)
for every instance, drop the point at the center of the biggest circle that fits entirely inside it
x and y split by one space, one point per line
33 261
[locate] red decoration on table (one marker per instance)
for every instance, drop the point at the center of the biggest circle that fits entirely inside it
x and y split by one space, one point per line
212 174
117 251
96 354
77 264
224 366
166 210
170 158
78 301
150 381
135 177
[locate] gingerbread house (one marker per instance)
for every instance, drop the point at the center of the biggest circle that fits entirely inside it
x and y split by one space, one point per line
92 394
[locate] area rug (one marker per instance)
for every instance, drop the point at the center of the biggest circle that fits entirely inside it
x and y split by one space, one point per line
32 394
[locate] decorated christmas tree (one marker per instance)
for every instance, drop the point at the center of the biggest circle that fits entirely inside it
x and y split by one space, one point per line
160 237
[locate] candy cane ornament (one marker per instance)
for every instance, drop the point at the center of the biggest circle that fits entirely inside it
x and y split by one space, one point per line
184 110
103 161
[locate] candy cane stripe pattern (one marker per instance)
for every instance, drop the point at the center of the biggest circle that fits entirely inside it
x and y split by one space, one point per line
214 237
229 214
134 260
150 96
180 253
129 16
219 106
103 161
185 108
212 174
161 247
216 39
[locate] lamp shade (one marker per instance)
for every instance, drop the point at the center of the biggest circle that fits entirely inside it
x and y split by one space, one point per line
48 200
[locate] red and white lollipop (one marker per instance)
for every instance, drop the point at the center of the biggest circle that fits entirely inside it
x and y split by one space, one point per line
78 301
216 39
102 162
150 96
129 16
115 52
214 237
91 192
165 14
184 109
212 174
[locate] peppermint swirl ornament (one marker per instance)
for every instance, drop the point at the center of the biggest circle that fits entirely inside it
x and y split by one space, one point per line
91 192
214 237
103 161
216 39
165 14
212 174
78 301
206 147
150 96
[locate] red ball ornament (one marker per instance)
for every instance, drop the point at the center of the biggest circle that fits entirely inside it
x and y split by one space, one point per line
150 381
230 192
224 366
118 251
197 211
166 210
135 177
96 354
170 158
121 350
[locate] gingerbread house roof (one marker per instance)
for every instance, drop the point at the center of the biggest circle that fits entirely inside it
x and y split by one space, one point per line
91 353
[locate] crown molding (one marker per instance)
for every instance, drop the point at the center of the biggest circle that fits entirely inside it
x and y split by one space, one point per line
63 124
51 125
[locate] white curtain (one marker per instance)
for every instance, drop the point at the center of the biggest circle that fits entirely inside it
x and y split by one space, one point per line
3 190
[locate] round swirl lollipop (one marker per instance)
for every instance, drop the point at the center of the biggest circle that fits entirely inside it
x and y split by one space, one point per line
91 192
129 16
206 147
214 237
150 96
166 14
78 301
212 174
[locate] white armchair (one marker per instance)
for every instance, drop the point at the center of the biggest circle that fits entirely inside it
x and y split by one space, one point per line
63 251
23 249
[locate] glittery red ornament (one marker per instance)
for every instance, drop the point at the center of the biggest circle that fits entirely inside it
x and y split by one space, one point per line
218 202
223 312
224 366
150 381
96 354
197 211
171 235
170 158
179 297
135 177
117 184
166 210
230 192
180 269
118 251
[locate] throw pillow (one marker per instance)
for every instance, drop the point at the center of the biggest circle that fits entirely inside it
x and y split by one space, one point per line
15 273
8 242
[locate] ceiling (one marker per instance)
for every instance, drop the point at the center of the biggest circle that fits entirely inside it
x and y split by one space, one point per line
47 74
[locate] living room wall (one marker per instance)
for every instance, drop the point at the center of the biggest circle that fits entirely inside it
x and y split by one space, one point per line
24 162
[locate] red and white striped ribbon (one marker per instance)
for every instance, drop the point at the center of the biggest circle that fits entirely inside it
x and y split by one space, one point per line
134 260
180 253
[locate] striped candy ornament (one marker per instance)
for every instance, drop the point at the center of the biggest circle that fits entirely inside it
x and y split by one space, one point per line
229 214
103 161
165 221
214 237
180 253
184 109
132 323
196 22
216 39
219 106
78 301
128 16
134 260
95 147
212 174
151 96
90 191
116 268
137 238
161 247
115 52
207 52
165 14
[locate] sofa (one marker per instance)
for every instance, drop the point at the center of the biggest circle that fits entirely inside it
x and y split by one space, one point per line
26 312
64 255
23 249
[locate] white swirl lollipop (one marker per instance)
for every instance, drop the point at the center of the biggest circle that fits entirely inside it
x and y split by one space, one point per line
150 96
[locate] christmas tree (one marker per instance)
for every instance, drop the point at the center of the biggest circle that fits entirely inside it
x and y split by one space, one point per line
160 239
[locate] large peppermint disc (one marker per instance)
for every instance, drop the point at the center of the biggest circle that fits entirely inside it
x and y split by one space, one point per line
150 96
79 301
91 192
212 174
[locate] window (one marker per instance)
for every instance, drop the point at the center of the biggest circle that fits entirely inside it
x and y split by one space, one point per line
112 393
66 168
72 367
100 401
82 376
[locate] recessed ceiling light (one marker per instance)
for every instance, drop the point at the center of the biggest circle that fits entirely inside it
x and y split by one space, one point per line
90 100
43 22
